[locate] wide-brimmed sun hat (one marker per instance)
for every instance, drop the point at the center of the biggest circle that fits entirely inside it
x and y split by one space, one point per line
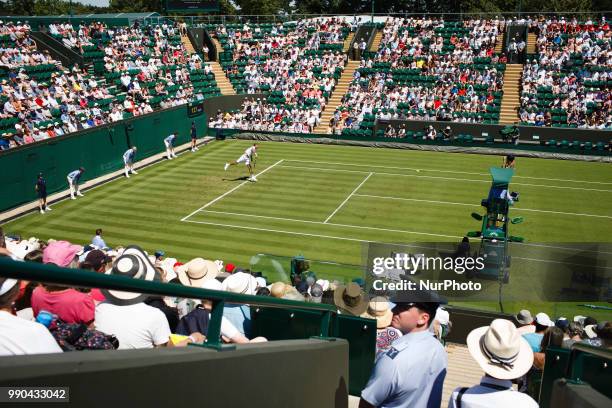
379 309
350 298
196 271
500 350
241 283
135 264
524 317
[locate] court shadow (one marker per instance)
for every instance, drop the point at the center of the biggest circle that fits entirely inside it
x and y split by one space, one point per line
243 178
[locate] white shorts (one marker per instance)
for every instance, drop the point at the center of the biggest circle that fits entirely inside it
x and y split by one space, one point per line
244 159
168 144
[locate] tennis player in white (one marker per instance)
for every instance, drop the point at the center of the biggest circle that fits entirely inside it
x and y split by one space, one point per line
248 158
128 161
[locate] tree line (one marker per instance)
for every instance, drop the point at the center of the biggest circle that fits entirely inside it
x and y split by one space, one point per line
288 7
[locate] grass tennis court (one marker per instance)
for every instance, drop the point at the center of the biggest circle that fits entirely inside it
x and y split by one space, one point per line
324 202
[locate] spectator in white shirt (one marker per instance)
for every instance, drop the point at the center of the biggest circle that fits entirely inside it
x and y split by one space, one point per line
19 336
126 316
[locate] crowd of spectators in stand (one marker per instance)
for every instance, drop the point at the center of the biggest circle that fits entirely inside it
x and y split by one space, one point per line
17 47
292 65
69 100
414 44
569 81
41 318
259 116
75 39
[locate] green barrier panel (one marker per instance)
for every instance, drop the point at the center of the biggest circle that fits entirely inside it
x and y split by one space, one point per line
582 364
593 368
99 150
361 335
554 368
285 324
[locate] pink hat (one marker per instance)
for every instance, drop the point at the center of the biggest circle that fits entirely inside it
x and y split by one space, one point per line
60 253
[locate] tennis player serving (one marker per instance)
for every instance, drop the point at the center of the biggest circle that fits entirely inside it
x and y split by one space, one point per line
248 158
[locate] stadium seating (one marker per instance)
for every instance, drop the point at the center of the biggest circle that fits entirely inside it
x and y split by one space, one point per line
129 71
567 83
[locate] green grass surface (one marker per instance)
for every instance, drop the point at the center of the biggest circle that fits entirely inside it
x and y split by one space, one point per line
325 202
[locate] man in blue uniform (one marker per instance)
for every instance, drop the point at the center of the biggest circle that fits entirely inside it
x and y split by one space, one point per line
128 160
73 182
412 372
41 190
194 137
169 143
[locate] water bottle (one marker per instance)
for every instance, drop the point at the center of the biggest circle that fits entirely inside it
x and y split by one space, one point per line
45 318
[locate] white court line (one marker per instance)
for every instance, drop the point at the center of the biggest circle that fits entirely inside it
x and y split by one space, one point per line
228 192
445 171
445 178
330 223
347 226
347 198
478 205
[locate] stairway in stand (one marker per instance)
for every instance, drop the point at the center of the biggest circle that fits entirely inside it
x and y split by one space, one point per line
376 42
222 82
531 43
499 43
217 46
347 41
187 43
511 99
334 101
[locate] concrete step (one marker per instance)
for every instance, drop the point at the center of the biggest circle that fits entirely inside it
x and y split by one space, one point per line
376 42
347 41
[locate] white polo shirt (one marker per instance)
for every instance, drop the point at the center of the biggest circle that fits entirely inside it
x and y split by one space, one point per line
492 392
135 326
19 336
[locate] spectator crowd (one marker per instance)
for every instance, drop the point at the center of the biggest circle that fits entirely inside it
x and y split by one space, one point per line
148 68
568 82
43 318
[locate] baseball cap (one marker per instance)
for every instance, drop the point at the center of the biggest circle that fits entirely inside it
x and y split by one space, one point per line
544 320
97 258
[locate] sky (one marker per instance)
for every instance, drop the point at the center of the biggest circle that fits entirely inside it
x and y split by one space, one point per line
99 3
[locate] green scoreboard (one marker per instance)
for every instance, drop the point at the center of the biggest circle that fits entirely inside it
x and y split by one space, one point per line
192 6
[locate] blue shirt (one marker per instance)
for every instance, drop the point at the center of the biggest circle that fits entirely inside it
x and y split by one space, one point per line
170 139
99 242
75 175
410 374
128 156
534 340
239 316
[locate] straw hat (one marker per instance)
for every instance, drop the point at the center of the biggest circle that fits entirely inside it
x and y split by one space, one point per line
500 350
379 309
278 289
196 271
240 282
350 298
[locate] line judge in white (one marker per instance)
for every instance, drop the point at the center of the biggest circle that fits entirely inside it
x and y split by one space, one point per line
248 158
128 161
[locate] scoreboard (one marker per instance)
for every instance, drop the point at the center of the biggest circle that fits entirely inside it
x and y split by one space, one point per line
192 6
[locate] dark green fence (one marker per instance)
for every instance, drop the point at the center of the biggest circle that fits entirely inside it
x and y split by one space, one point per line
582 364
99 150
